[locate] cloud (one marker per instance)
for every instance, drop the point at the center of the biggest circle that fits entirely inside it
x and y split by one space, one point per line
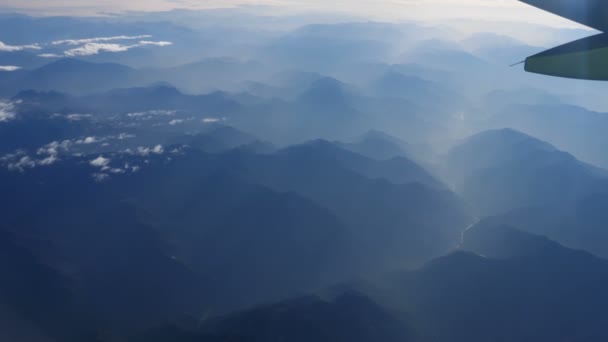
161 43
53 148
23 163
7 111
9 68
123 136
100 177
100 162
97 40
145 151
47 155
175 122
50 55
90 49
211 120
13 48
148 115
90 140
78 117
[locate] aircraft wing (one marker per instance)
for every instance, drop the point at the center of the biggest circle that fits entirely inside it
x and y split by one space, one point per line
586 58
591 13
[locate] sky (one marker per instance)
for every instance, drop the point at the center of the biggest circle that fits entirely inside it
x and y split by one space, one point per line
507 10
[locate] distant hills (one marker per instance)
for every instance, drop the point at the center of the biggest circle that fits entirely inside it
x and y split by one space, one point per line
348 317
247 227
523 289
501 170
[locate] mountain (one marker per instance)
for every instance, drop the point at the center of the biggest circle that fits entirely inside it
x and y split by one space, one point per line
327 93
447 58
75 76
544 292
179 230
398 170
212 74
37 300
581 226
394 223
500 170
573 128
305 50
431 95
500 241
221 138
348 317
498 49
121 267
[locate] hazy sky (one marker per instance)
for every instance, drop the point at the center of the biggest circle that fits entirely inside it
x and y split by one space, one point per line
376 9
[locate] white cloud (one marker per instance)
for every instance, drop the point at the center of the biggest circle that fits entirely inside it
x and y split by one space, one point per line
7 111
48 160
49 55
90 49
9 68
123 136
158 149
53 148
176 122
147 115
23 163
13 48
100 162
49 155
147 42
89 140
211 120
146 151
78 117
97 40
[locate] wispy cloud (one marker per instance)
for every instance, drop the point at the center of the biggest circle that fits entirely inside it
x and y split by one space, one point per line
212 120
160 43
9 68
97 40
12 48
49 55
90 49
7 111
84 46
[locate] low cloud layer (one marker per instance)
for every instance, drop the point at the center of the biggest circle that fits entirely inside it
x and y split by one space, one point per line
83 47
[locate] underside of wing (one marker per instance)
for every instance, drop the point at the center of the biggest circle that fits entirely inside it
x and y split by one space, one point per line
583 59
591 13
